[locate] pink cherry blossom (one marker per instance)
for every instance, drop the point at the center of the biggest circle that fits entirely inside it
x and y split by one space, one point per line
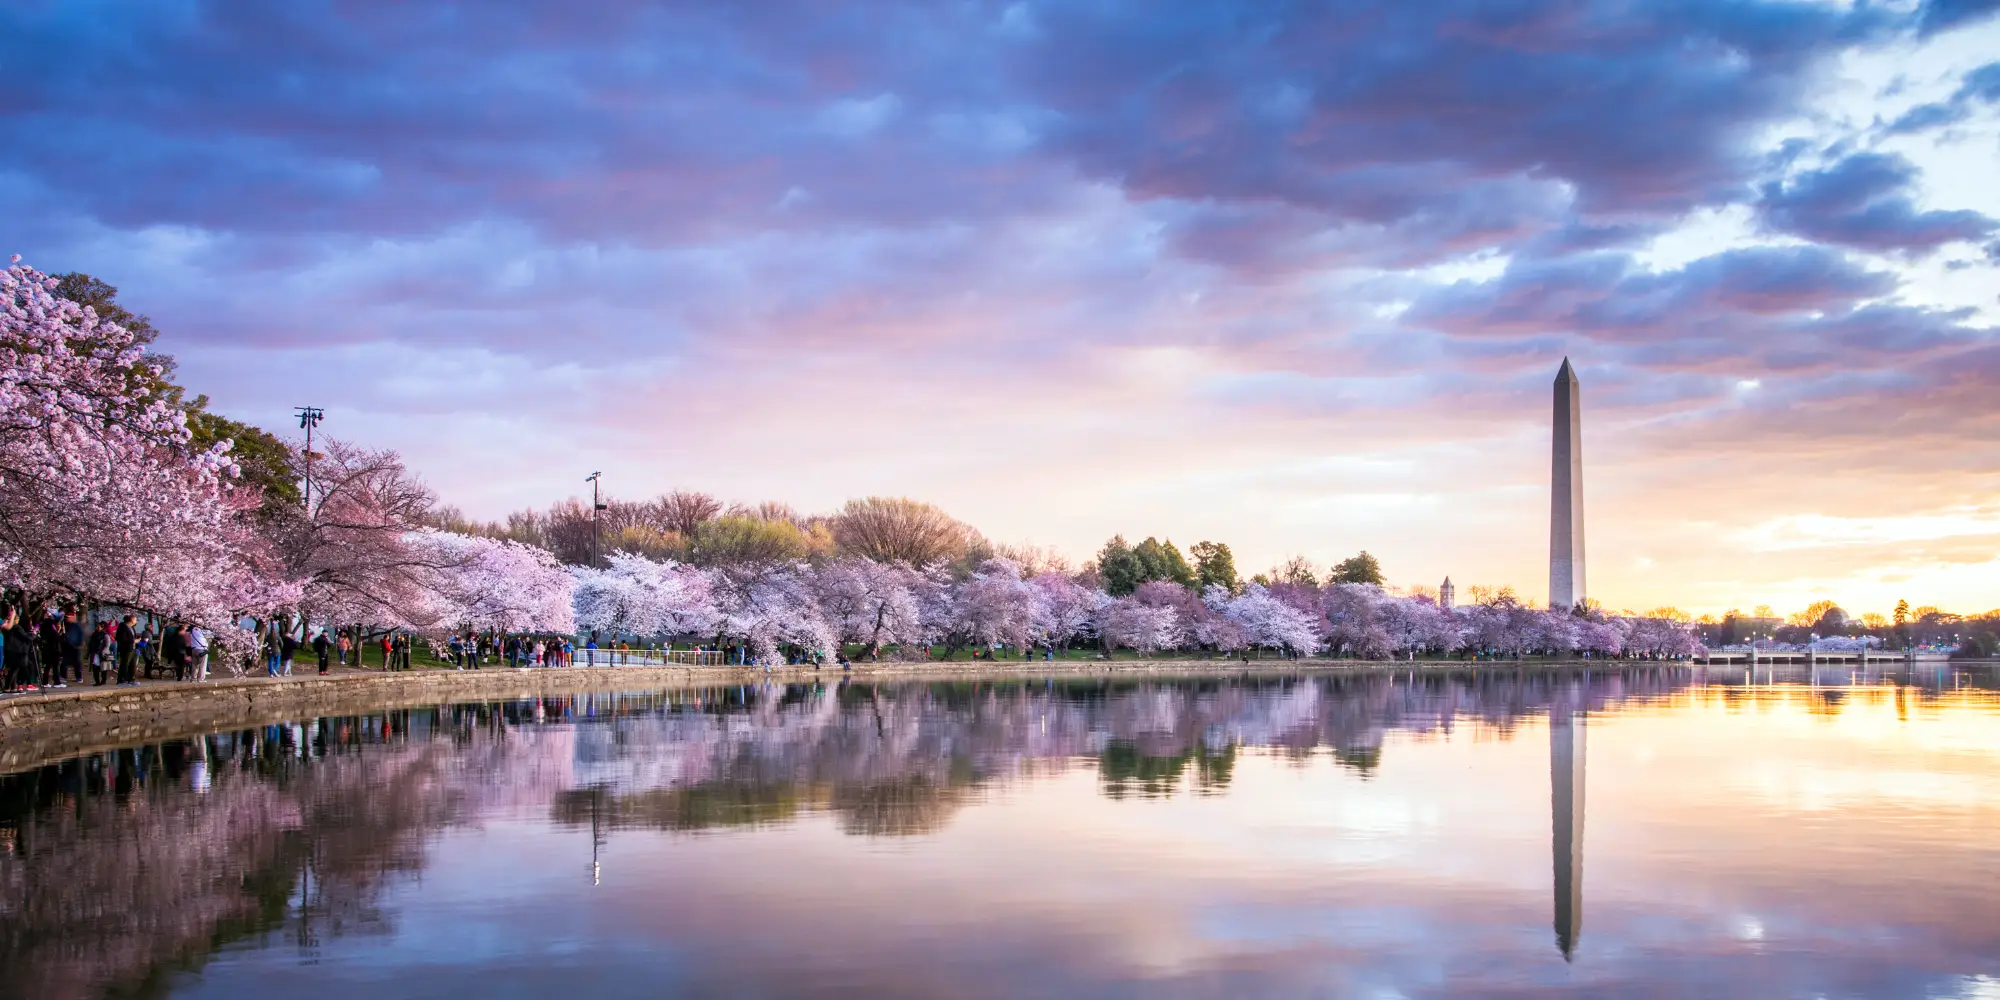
101 496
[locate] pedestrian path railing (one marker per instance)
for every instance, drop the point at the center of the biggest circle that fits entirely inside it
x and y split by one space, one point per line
648 658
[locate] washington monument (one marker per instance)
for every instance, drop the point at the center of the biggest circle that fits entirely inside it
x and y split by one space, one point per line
1566 494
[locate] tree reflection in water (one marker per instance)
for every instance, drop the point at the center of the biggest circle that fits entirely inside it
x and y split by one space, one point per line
119 869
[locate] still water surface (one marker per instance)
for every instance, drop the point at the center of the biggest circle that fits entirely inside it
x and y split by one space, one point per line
1632 834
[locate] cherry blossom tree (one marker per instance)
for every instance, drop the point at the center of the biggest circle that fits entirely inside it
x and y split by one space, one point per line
608 599
1129 623
873 604
1603 638
1553 631
1061 609
202 561
772 606
1415 624
1652 636
1271 623
680 601
634 595
101 495
353 549
1359 618
1211 627
994 605
485 583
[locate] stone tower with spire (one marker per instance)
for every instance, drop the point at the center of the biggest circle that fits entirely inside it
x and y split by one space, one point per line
1566 493
1447 595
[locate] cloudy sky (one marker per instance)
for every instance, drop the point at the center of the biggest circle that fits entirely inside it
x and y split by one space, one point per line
1294 276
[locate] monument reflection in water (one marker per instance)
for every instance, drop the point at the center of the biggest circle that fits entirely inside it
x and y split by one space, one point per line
1367 835
1566 759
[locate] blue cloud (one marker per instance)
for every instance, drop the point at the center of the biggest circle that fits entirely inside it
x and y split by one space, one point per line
975 188
653 124
1943 15
1981 86
1862 201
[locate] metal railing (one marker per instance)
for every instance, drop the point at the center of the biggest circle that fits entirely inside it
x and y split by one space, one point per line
649 658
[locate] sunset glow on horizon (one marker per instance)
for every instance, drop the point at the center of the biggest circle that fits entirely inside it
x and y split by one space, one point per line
1292 278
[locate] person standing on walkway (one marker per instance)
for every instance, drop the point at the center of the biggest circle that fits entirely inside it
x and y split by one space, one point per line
12 651
341 648
49 644
173 648
321 646
74 636
198 652
26 665
145 649
272 647
288 650
98 651
127 638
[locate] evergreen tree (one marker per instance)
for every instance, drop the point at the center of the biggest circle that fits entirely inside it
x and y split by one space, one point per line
1120 567
1152 560
264 460
1214 565
1178 569
1162 561
1359 568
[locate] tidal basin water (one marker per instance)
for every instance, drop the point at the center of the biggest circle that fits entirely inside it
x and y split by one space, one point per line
1644 833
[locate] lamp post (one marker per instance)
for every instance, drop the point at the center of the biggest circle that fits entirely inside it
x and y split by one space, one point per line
309 418
596 505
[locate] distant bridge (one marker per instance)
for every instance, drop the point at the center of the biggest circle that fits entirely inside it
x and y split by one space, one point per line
1810 656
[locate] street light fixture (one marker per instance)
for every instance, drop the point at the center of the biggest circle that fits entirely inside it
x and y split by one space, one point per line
596 504
309 418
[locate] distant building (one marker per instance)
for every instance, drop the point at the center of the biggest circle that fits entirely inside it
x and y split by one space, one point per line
1447 596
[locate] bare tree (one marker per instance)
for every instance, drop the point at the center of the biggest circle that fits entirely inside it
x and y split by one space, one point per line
770 511
566 531
1035 559
683 512
898 529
